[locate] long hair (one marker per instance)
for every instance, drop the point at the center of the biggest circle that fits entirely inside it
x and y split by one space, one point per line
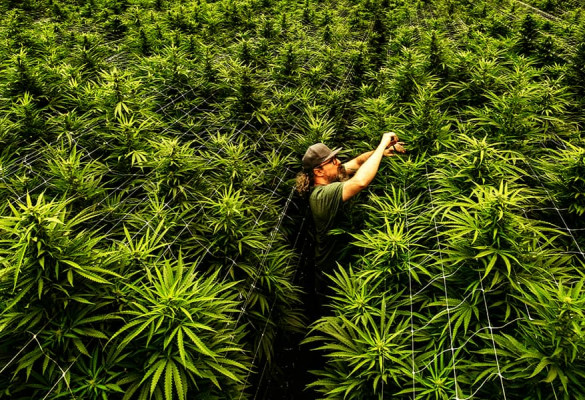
304 182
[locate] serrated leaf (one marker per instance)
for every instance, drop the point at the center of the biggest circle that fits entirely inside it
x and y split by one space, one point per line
71 263
40 287
90 332
114 387
197 341
80 346
178 382
157 369
169 380
551 376
224 371
541 365
181 346
80 299
93 277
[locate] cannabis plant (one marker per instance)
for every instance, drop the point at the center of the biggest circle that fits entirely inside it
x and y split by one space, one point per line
369 357
180 336
57 276
549 348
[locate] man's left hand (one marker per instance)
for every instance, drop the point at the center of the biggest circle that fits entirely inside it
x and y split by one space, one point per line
395 148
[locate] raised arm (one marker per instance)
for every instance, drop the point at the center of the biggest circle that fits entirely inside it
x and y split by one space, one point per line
353 165
367 171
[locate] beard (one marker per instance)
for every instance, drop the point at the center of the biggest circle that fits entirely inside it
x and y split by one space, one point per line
340 175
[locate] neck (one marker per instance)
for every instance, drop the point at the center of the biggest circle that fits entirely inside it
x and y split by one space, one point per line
320 181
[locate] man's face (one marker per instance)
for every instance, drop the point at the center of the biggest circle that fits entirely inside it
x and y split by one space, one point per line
333 170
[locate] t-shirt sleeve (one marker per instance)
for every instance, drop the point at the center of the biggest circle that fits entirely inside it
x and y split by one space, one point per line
325 204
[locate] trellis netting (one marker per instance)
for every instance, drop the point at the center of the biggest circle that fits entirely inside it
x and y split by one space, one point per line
152 243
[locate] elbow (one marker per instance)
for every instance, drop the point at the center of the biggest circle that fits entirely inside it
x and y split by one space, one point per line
353 187
361 184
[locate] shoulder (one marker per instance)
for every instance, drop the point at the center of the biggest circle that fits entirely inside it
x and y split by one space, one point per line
327 198
325 202
326 191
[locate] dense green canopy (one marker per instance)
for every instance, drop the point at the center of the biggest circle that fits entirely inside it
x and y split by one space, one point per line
152 245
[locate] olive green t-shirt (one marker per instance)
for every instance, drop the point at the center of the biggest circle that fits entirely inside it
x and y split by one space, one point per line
326 203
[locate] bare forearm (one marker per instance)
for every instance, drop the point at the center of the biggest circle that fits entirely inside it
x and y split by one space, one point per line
353 165
367 171
369 167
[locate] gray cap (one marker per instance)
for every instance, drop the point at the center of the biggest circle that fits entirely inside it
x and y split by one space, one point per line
317 154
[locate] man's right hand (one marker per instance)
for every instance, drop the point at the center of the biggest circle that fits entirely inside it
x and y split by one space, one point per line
388 139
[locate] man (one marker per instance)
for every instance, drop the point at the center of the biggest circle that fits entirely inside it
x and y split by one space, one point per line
332 183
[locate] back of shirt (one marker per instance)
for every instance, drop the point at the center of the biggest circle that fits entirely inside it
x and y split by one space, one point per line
326 203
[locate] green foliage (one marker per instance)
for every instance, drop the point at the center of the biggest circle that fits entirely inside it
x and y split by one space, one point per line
475 162
577 75
563 172
176 170
149 239
488 227
75 178
528 35
425 123
366 358
550 345
180 335
56 275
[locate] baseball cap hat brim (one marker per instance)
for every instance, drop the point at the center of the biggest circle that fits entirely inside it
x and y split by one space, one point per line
318 154
333 154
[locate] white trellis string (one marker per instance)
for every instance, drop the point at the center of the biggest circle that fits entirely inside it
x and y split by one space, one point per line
554 391
217 192
539 11
63 372
36 154
258 218
491 332
467 340
579 251
261 263
566 226
550 17
207 249
33 338
167 128
445 287
445 291
451 309
45 181
279 221
260 381
265 255
161 109
270 313
288 201
412 346
240 130
63 375
491 328
292 192
138 204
